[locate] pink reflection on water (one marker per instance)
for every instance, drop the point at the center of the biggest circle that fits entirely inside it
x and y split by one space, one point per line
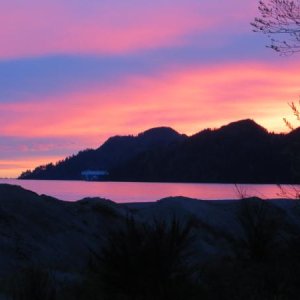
143 192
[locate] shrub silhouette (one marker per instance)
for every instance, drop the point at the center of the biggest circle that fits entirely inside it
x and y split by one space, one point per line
147 261
260 224
34 284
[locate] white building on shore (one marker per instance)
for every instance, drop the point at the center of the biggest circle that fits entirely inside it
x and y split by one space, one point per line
91 175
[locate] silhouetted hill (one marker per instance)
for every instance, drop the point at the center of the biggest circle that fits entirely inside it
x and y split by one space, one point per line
241 151
114 152
246 126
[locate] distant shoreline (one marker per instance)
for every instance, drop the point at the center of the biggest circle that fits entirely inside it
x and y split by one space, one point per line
162 182
122 192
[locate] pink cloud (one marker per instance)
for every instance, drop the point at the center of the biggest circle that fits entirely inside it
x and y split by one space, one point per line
186 99
64 27
52 27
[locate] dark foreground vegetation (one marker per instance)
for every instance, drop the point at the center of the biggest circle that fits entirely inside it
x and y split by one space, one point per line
240 152
157 261
175 249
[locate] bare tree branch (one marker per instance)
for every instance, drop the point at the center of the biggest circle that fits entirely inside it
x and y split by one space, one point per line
280 21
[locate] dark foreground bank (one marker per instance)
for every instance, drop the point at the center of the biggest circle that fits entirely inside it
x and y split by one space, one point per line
175 248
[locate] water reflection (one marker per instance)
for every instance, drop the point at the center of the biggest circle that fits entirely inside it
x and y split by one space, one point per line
143 192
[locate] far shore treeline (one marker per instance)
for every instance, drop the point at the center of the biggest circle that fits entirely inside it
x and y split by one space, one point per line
240 152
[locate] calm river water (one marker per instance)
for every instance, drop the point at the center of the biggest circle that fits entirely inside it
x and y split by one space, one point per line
142 192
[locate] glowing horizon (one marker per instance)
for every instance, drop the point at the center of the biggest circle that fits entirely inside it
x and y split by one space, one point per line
72 75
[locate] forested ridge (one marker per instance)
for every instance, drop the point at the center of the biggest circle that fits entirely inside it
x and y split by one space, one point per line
239 152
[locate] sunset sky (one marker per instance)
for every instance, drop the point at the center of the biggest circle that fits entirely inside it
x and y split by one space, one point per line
73 73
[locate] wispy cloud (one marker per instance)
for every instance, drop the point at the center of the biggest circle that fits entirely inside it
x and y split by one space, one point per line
216 93
58 27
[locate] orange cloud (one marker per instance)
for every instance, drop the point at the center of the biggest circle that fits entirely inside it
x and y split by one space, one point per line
13 168
188 100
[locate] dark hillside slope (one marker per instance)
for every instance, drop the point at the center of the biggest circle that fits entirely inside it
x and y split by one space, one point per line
114 152
239 152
